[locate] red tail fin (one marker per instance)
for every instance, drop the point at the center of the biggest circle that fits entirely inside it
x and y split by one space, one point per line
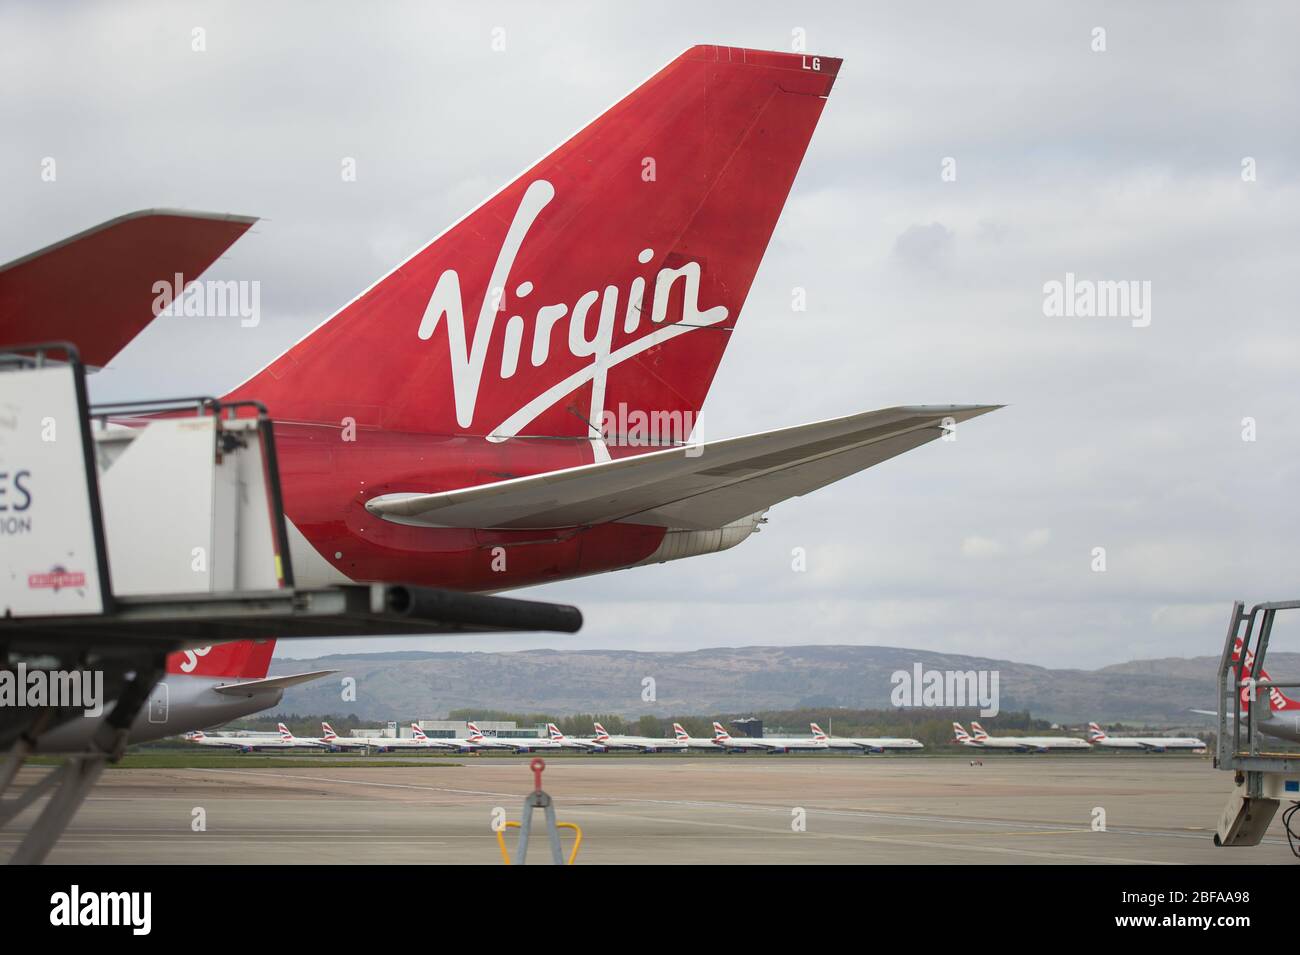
1278 701
96 289
606 278
249 659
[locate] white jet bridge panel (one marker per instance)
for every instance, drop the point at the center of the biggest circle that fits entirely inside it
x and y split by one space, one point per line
50 552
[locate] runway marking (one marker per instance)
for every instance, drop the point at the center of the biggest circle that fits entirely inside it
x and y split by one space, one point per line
885 840
367 782
118 843
186 831
1047 827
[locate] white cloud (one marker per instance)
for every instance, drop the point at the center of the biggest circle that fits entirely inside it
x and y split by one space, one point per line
979 547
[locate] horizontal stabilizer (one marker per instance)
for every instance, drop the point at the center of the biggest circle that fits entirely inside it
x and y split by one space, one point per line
253 687
96 289
702 486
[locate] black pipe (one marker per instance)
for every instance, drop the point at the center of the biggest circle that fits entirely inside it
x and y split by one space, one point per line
479 611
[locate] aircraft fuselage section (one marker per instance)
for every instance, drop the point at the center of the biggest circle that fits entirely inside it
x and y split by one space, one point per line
328 472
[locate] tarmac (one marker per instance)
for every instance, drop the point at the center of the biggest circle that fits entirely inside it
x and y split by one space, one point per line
669 809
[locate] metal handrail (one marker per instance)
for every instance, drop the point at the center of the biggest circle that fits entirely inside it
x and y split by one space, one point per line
1239 746
17 355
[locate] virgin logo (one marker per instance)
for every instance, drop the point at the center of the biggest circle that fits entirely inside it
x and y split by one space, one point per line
469 358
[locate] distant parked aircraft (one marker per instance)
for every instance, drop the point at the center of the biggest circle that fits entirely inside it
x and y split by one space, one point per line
647 744
1036 743
248 744
570 742
874 744
334 741
770 744
1021 744
519 744
1158 744
689 741
417 740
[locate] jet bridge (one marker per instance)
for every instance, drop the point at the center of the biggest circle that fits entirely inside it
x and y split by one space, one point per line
1265 775
130 531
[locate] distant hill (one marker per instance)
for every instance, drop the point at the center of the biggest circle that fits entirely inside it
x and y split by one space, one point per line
730 680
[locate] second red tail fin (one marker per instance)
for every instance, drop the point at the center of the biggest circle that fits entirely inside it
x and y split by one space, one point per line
248 659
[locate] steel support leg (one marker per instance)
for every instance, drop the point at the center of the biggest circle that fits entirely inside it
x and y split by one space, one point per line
538 800
73 780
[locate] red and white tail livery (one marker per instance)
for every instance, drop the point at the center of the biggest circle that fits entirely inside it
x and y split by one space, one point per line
687 741
1283 719
724 739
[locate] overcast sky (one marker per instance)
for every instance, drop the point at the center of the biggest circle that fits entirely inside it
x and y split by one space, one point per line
1117 165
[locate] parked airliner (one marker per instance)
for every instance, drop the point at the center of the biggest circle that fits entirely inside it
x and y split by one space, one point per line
768 744
1022 744
647 744
1038 743
690 742
518 744
874 744
574 742
1157 744
249 744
